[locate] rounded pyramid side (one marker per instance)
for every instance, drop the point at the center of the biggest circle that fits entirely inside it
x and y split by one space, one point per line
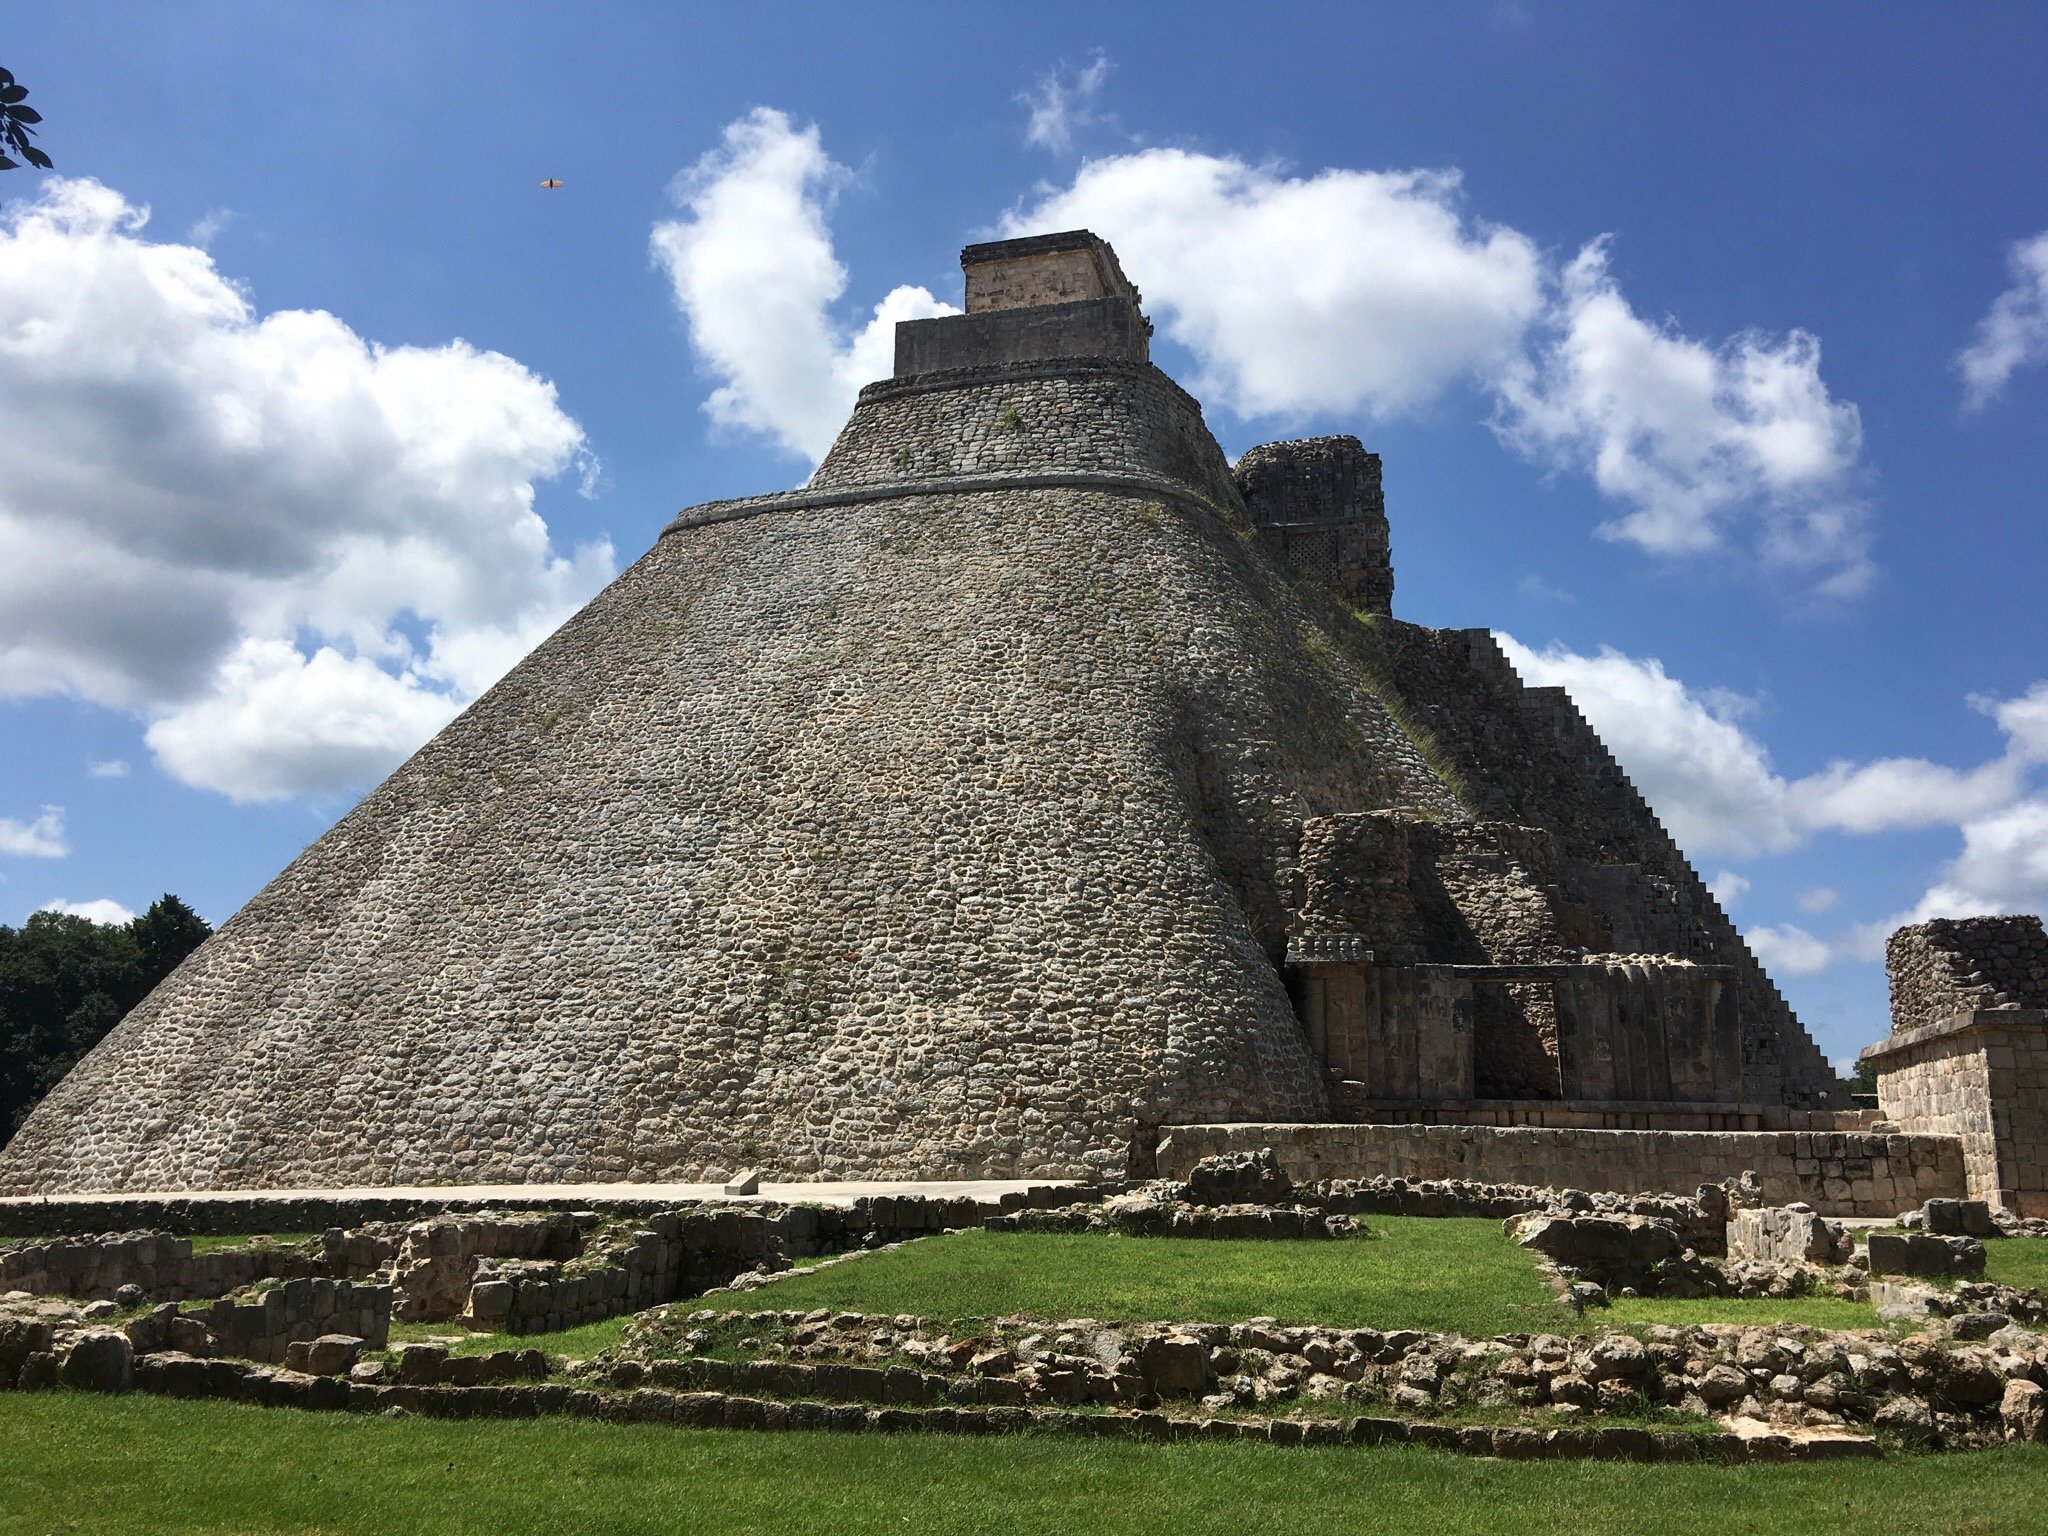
924 836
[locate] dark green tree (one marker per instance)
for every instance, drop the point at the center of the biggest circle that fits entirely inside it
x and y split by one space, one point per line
17 126
64 982
166 934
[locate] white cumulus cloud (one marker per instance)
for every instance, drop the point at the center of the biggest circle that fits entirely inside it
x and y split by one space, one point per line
1344 290
2003 866
195 496
753 273
1340 291
1727 887
2014 334
42 838
1711 781
1692 439
108 914
1790 949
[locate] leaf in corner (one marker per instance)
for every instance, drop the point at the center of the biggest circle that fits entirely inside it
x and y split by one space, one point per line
7 164
36 157
24 114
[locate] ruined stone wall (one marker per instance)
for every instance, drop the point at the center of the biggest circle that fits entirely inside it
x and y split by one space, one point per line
1954 966
1319 509
1424 891
1526 755
161 1266
1838 1174
1947 1092
1982 1078
262 1327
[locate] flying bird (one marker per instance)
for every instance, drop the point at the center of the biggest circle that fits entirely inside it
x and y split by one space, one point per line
551 183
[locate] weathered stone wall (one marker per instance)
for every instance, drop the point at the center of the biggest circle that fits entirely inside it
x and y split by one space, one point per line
1981 1078
1526 755
1072 416
295 1310
1953 966
163 1267
1839 1174
1784 1235
1320 511
362 1233
1610 1115
1421 891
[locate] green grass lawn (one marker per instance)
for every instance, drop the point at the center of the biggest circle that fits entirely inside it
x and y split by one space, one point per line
213 1242
2020 1261
1436 1274
577 1343
137 1466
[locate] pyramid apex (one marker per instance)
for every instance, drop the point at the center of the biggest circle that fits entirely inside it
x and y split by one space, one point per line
1060 268
1032 299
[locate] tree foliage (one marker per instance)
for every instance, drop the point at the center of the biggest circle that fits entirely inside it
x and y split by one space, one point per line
17 126
64 982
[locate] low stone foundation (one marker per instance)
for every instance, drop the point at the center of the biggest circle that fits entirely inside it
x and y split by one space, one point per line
162 1267
1608 1115
263 1327
301 1211
1837 1173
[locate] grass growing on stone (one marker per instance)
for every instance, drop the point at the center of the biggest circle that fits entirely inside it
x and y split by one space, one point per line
214 1242
1813 1311
577 1343
145 1465
2017 1261
1436 1274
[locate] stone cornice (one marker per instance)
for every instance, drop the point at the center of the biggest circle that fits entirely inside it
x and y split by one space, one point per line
1127 484
1983 1019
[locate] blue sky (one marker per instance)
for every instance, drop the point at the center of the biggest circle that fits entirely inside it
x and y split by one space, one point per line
1704 351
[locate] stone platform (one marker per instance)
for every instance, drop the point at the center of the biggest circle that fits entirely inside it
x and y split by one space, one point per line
1838 1173
315 1210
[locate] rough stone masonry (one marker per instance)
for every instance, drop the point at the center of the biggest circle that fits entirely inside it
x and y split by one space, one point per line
945 818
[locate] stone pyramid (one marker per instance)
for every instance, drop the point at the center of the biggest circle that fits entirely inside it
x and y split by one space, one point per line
1014 789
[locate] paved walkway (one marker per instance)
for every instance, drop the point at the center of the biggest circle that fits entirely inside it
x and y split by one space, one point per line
841 1193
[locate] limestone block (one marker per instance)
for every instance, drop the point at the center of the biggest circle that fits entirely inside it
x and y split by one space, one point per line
1918 1253
1175 1364
99 1361
2024 1411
